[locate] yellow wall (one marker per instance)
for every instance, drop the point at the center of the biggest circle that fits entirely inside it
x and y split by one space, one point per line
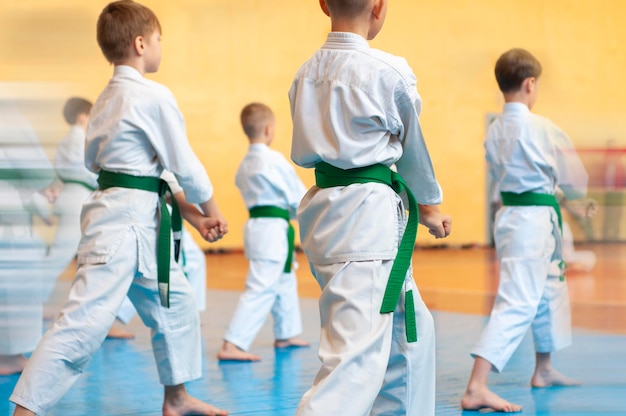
221 54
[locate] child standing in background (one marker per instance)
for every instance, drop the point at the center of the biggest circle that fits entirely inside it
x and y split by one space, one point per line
135 132
77 182
355 115
271 191
528 157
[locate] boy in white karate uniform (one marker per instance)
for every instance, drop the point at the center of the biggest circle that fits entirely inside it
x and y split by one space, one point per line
24 170
135 132
528 157
355 115
271 191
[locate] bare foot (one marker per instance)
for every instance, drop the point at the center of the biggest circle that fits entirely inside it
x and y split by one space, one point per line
230 352
22 411
178 402
118 333
291 343
485 398
551 377
12 364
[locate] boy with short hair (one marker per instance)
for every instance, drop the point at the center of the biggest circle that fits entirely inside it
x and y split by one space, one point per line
355 116
271 191
528 157
136 131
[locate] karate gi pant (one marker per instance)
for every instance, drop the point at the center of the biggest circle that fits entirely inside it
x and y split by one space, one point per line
530 292
97 292
268 289
63 250
368 367
21 268
193 264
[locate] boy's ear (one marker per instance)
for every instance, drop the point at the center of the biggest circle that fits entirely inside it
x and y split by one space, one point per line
138 45
379 5
324 7
529 84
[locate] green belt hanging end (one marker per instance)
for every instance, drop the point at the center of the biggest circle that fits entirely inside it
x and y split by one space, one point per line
291 237
562 267
409 310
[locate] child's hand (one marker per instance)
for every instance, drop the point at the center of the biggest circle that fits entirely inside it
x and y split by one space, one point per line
438 224
582 208
213 229
591 208
51 193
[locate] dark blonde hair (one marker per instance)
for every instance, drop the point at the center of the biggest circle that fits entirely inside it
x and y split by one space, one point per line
253 118
347 8
120 22
74 107
513 67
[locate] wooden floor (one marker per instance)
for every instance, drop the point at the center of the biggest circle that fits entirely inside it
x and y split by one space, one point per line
466 280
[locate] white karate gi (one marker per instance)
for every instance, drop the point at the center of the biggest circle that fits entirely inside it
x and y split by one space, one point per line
264 177
21 251
69 163
528 153
363 114
135 128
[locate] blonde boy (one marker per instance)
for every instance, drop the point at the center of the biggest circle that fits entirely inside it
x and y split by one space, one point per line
135 131
528 157
271 191
355 115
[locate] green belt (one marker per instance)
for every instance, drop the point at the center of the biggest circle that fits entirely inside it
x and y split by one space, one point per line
26 174
535 199
327 176
532 199
77 182
174 221
269 211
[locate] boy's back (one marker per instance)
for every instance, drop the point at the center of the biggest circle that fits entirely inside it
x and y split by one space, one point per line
354 106
264 177
529 153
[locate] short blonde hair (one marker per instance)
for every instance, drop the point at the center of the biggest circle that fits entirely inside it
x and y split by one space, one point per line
254 117
120 22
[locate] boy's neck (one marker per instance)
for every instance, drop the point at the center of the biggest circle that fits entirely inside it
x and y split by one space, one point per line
137 64
259 140
350 26
82 126
518 98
